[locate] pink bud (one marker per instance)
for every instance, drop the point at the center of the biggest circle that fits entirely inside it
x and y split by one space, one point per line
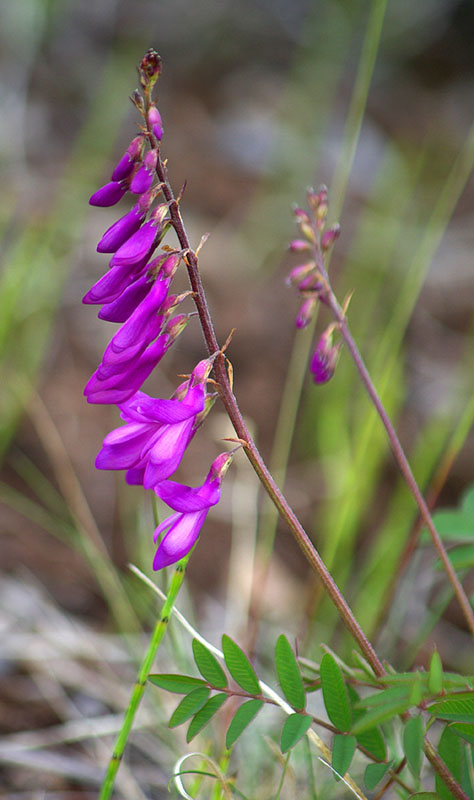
325 357
329 237
155 123
306 312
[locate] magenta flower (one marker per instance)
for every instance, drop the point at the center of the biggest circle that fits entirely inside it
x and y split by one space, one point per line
125 372
108 195
120 231
143 179
142 243
152 443
192 506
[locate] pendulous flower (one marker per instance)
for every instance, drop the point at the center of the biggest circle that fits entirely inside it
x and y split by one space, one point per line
192 506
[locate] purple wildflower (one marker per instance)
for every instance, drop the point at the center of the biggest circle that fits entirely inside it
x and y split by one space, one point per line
152 443
120 231
118 381
192 506
109 195
142 242
143 179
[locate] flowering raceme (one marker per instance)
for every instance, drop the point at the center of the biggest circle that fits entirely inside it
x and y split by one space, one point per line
135 292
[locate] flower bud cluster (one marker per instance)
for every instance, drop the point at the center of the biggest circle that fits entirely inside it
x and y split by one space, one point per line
312 244
135 291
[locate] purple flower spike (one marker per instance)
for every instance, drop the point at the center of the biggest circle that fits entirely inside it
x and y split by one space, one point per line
143 179
192 505
126 163
155 123
325 358
120 231
108 195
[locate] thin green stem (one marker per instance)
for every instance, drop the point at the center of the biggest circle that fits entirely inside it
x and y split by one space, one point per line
283 776
139 688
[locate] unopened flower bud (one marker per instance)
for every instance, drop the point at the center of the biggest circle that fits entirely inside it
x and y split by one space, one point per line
149 69
143 179
176 326
306 312
298 273
316 199
155 123
299 246
126 163
325 358
221 464
329 237
108 195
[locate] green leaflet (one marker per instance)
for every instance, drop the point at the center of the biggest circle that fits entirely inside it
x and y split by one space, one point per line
289 674
465 730
453 752
243 716
343 749
376 716
239 666
336 699
188 706
435 678
374 773
413 743
455 707
294 728
180 684
205 714
209 666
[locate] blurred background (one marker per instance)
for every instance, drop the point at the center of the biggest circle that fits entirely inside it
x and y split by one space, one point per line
258 103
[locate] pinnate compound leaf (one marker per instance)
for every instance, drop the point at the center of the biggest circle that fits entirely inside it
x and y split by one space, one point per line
209 666
179 684
343 749
294 728
239 666
464 730
336 699
289 674
413 743
456 707
201 719
435 677
243 716
189 705
374 773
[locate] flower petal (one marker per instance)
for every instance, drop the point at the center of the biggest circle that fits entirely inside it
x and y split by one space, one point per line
179 540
